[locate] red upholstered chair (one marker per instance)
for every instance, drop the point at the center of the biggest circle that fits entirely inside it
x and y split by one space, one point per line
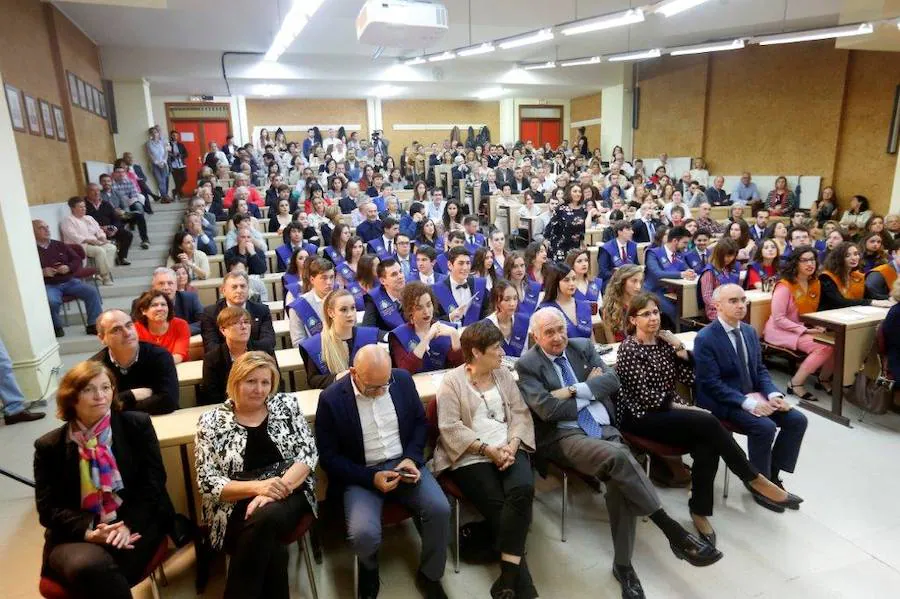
449 487
651 448
51 589
300 535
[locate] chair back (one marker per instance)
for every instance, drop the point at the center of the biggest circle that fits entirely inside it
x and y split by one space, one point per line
76 247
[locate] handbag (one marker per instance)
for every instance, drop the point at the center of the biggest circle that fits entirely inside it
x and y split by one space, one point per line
873 396
271 471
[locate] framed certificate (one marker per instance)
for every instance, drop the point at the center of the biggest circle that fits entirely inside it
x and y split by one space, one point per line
96 93
60 123
47 119
73 87
32 114
16 108
82 94
103 112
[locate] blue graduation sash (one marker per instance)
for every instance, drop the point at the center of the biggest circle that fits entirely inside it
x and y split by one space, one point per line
440 265
386 308
284 252
479 242
677 260
582 327
593 292
309 318
518 336
612 248
528 304
448 302
333 255
498 269
377 246
436 356
722 278
413 269
692 259
352 285
313 346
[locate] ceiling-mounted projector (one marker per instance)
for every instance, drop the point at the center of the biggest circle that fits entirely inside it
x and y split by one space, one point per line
401 23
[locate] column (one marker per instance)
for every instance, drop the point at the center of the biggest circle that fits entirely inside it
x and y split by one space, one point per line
375 117
26 327
509 126
615 114
134 116
895 193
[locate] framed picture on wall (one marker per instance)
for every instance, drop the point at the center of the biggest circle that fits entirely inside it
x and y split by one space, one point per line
32 114
47 119
103 105
59 121
96 100
90 96
16 109
73 87
82 94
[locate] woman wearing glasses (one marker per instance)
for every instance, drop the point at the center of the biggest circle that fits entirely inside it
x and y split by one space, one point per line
234 323
650 363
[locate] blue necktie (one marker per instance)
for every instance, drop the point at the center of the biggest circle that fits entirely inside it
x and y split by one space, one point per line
585 420
746 381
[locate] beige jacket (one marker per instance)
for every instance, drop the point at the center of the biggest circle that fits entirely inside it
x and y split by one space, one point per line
456 404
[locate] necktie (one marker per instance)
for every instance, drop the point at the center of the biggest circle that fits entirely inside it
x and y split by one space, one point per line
746 381
650 231
471 239
389 247
624 254
585 420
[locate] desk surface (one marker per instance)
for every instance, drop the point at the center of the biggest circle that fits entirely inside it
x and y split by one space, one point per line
191 373
852 318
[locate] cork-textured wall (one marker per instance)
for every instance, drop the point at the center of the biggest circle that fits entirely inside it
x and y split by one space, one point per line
307 111
672 106
585 108
863 165
435 112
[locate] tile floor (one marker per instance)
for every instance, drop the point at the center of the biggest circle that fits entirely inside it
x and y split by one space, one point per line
844 542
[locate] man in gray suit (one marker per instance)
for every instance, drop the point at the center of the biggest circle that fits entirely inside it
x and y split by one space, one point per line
569 388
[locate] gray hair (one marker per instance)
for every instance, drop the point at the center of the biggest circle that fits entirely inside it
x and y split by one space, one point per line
353 185
717 292
542 315
164 270
234 275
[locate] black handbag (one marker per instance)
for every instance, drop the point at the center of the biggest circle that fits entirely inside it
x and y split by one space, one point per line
271 471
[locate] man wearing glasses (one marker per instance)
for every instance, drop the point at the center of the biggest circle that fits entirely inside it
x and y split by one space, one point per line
370 431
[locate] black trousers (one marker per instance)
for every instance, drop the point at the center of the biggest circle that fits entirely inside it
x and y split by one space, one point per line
137 219
259 560
179 176
123 239
707 440
100 571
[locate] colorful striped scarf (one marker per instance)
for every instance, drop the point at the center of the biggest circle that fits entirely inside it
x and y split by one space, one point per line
98 471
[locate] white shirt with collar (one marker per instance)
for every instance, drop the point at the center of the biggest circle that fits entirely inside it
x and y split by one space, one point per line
318 305
749 404
460 296
380 427
584 397
389 244
427 279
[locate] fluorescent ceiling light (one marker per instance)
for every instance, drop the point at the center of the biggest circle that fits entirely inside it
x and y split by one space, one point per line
485 48
541 65
673 7
294 22
713 47
816 34
580 61
526 40
621 19
489 92
440 57
267 90
414 61
655 53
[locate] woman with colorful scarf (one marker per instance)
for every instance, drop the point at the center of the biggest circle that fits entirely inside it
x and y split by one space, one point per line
100 489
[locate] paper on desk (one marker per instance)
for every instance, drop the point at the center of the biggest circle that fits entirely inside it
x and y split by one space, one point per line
437 378
850 315
868 310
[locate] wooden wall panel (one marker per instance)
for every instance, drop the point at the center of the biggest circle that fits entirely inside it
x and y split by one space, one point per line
584 108
863 165
435 111
307 111
775 109
672 107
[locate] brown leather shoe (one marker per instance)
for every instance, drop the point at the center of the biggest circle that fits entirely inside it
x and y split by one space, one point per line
23 416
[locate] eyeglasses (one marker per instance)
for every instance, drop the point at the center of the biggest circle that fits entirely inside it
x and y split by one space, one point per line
812 259
647 313
376 390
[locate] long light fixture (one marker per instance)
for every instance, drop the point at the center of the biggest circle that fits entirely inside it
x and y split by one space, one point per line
654 53
673 7
703 48
294 22
484 48
539 66
414 61
816 34
441 57
543 35
635 15
580 61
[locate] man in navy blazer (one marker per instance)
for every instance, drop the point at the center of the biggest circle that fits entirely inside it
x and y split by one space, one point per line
739 390
371 431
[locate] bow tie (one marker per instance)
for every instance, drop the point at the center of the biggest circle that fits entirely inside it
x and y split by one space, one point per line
463 286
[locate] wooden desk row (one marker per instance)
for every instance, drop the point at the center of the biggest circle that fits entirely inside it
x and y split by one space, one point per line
209 290
217 263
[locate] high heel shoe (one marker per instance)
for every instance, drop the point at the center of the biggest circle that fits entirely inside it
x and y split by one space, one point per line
807 395
820 385
709 537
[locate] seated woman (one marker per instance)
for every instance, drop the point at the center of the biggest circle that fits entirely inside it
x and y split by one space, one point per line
875 224
280 218
560 293
833 238
762 271
825 208
777 232
256 460
528 292
483 265
183 251
486 434
182 278
781 201
366 271
506 317
234 323
857 215
155 322
586 288
100 489
880 280
305 311
739 233
497 243
536 261
843 285
798 293
343 244
328 355
293 278
423 344
428 235
650 363
625 284
871 251
723 268
337 246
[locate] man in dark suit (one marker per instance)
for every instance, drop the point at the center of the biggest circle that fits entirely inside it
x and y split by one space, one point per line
235 292
734 384
371 431
758 229
504 173
569 390
646 226
462 297
383 302
187 303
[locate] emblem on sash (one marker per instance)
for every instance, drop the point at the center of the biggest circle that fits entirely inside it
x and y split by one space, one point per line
312 321
411 345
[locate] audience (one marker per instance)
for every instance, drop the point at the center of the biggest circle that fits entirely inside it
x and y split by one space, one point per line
723 268
560 293
667 262
618 252
183 251
625 284
512 323
842 284
79 229
880 280
110 221
156 323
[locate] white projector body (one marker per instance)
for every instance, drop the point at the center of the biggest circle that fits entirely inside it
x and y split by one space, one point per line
401 23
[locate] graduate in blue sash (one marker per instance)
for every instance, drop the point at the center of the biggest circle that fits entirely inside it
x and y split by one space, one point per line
723 268
462 298
617 251
497 243
293 276
474 239
454 239
406 258
383 309
666 262
559 293
528 291
698 257
385 246
429 235
506 316
337 246
423 343
483 266
295 240
426 256
327 355
588 289
305 312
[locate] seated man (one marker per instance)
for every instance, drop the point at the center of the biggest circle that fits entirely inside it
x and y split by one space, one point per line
258 290
248 253
734 384
617 252
108 219
426 256
138 171
370 432
385 246
454 239
203 241
81 229
146 379
462 298
187 303
383 309
128 198
243 222
235 292
130 213
371 228
569 390
59 262
474 239
667 262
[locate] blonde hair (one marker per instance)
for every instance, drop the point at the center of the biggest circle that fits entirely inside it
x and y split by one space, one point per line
614 307
335 353
245 365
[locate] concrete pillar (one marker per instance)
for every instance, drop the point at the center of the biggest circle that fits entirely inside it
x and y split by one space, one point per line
616 113
26 327
375 117
134 115
509 126
895 193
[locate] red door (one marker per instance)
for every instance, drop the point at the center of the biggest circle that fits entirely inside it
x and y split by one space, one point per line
551 131
196 135
530 130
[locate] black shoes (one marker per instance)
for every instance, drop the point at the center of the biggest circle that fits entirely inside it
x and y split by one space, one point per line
59 332
123 262
145 245
369 583
696 552
631 586
709 539
23 416
430 589
91 329
499 591
792 502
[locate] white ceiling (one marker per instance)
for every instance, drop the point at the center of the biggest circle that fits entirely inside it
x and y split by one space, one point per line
179 48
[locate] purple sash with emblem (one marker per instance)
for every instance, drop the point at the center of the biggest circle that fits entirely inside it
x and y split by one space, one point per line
612 248
436 356
313 346
389 312
582 327
448 302
309 318
593 292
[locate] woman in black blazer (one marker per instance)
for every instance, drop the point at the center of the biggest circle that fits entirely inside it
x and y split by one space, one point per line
99 542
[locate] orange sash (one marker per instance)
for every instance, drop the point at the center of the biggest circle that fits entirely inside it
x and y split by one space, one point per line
856 289
806 302
888 272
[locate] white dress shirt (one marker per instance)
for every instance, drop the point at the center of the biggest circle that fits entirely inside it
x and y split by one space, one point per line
435 213
584 397
427 279
460 296
380 428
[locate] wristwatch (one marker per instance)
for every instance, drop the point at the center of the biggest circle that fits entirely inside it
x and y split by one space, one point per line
679 348
573 391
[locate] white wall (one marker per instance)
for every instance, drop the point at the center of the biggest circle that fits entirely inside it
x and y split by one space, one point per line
134 116
615 114
238 112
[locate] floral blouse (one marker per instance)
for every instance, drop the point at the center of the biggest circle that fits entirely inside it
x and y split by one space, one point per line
648 375
565 231
220 445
